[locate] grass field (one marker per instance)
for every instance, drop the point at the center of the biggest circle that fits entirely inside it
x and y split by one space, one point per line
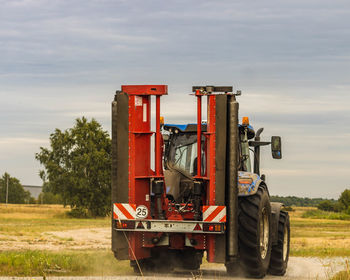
31 220
318 237
319 214
34 224
44 263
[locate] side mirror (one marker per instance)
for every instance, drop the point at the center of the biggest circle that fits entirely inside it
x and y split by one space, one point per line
276 145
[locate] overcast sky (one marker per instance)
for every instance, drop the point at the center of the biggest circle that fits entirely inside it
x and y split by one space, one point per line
60 60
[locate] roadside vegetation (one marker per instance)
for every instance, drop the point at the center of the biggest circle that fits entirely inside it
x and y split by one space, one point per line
73 263
343 275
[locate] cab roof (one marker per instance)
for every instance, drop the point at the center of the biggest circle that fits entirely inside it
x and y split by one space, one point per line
192 128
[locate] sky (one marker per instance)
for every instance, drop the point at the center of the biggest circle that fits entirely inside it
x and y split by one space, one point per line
60 60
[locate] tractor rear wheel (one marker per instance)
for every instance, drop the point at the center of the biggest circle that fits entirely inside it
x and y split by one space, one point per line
254 233
280 251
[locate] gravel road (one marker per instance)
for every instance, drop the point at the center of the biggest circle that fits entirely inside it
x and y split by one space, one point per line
298 269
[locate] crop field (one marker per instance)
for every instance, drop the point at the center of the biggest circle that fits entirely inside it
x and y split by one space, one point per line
44 240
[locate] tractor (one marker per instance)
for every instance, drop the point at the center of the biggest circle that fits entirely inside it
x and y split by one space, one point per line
198 193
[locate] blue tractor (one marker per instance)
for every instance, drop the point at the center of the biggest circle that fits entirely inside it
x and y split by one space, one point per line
263 227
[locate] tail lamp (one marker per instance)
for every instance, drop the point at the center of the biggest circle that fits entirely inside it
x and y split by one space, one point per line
124 224
213 227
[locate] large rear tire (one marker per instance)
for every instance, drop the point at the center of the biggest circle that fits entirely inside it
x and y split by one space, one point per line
254 233
280 251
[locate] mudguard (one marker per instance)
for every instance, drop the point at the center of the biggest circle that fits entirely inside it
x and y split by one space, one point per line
275 215
248 183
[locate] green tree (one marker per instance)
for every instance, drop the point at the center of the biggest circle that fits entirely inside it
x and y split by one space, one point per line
16 193
344 199
77 166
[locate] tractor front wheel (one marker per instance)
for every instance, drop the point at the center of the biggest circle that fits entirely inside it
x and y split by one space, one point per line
280 251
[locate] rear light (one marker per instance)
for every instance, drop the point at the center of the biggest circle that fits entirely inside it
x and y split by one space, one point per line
124 224
213 227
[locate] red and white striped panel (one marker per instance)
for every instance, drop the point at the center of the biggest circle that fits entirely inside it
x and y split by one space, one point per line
124 211
214 213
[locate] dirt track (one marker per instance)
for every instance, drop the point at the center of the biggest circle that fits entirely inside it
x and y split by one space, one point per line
87 238
298 269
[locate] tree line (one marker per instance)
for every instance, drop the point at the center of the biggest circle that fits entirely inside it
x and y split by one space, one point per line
299 201
342 204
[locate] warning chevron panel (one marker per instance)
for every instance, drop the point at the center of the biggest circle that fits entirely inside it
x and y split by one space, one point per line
214 213
124 211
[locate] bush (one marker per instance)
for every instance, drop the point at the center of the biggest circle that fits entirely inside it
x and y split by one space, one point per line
332 206
49 198
78 213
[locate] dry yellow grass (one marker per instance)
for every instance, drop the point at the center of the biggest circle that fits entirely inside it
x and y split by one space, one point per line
318 237
32 211
31 220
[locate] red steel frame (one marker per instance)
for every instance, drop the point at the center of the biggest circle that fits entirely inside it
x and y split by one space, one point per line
140 134
209 177
140 171
211 135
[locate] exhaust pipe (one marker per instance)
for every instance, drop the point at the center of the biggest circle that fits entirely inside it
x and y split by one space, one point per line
232 179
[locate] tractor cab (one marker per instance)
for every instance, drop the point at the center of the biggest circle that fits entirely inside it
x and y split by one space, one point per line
180 158
181 146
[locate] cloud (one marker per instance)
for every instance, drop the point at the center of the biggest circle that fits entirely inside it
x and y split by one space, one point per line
61 60
26 140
